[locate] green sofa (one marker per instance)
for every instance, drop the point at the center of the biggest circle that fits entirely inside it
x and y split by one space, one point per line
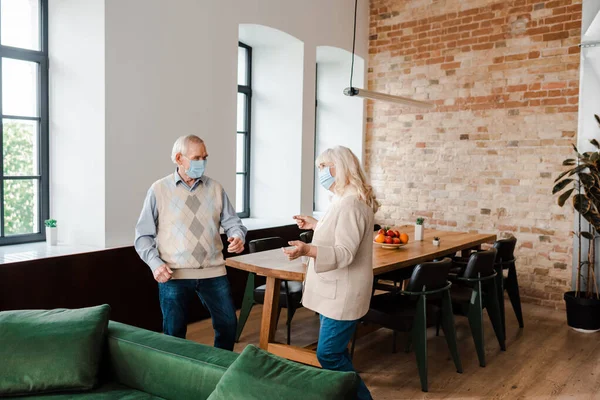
140 364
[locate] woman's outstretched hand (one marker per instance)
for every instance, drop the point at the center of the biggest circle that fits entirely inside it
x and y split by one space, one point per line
305 222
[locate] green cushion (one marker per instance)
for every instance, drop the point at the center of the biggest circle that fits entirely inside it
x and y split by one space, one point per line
165 366
110 391
258 375
50 351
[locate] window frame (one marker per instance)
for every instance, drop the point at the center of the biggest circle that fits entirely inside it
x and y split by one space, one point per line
247 91
41 58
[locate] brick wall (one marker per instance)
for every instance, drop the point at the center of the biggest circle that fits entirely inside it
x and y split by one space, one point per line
504 76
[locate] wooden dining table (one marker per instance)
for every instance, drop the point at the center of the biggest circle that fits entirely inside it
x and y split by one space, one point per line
275 266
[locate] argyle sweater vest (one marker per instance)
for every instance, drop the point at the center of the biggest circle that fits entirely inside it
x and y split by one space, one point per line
188 229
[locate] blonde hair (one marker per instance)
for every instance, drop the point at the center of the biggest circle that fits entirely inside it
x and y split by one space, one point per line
349 174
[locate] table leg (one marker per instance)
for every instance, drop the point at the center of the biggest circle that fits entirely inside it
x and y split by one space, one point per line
467 252
268 325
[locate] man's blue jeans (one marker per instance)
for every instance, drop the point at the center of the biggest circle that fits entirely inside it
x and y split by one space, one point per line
215 294
332 350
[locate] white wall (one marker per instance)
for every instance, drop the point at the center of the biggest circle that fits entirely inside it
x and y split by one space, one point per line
277 83
77 120
171 70
339 118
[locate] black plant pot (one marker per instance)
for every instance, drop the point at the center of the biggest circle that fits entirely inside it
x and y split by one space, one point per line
582 313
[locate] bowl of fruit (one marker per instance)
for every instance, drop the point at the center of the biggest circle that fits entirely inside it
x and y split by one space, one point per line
389 238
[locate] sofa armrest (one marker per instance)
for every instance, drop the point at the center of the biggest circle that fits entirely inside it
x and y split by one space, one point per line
164 366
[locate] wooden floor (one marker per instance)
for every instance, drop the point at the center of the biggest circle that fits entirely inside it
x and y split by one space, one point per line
545 360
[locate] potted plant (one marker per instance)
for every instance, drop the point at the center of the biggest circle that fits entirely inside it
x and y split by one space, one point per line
51 232
582 183
436 241
419 229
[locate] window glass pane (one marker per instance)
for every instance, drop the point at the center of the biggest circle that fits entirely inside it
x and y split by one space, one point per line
242 63
21 23
20 147
20 207
240 153
239 193
241 112
19 88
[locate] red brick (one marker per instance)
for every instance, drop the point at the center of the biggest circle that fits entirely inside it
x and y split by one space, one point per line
570 92
453 65
554 85
556 36
554 102
480 32
533 95
568 109
558 11
469 27
516 57
516 88
481 17
535 86
485 46
538 31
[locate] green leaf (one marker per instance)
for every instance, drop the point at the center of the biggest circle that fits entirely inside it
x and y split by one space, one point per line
569 161
562 175
586 179
575 148
594 157
577 169
587 235
581 203
595 143
597 119
563 197
561 185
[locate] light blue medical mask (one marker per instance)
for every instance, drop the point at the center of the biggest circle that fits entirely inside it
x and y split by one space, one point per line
196 169
325 178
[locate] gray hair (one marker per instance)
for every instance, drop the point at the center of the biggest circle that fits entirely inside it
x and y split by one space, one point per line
181 145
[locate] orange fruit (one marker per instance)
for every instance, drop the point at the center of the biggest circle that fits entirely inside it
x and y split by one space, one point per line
380 238
404 238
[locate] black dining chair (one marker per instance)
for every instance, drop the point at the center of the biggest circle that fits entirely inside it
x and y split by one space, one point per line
414 309
290 295
476 290
505 261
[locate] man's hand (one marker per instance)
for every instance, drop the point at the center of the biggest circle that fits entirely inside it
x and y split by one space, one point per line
305 222
162 273
236 245
300 249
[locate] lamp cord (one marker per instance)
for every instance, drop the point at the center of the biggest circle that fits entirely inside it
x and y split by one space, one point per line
353 43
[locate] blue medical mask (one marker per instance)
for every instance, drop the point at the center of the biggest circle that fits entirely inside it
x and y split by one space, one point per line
196 169
325 178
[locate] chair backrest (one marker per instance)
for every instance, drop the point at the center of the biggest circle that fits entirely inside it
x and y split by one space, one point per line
307 236
433 275
266 244
481 264
506 249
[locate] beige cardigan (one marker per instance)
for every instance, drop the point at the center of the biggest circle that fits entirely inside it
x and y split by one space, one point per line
339 281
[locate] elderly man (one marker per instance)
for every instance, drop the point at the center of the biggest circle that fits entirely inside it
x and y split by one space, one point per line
178 236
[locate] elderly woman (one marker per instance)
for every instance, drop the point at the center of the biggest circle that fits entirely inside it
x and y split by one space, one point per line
339 277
